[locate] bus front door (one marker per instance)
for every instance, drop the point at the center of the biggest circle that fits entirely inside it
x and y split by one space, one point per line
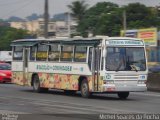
94 64
25 65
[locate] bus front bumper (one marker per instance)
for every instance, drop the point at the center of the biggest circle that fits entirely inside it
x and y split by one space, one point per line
133 88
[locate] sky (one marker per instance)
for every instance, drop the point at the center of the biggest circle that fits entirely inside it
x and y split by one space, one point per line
24 8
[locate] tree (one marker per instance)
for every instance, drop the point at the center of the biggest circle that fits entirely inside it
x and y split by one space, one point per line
140 16
100 19
78 9
105 18
8 34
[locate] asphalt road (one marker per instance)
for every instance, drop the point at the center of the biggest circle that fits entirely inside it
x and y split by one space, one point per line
55 105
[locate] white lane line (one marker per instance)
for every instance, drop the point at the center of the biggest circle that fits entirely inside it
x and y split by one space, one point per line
12 112
71 105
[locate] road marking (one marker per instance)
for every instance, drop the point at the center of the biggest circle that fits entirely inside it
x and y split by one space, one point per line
69 106
12 112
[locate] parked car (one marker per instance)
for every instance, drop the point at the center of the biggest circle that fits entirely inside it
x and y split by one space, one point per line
5 72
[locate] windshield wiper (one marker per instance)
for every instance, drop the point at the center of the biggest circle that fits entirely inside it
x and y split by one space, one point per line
133 67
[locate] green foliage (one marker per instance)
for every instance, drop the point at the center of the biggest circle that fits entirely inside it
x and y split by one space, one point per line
105 18
140 16
137 11
78 9
99 19
8 34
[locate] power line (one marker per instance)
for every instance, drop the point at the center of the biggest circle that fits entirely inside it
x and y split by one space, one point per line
20 8
10 3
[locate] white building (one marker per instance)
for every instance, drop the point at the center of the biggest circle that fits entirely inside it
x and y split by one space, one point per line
35 27
57 28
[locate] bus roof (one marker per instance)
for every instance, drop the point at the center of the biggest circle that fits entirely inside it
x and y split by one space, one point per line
79 41
93 41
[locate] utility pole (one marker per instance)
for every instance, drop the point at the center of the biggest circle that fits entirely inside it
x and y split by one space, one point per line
124 22
69 24
46 18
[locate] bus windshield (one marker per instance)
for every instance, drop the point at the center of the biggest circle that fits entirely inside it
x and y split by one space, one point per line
125 59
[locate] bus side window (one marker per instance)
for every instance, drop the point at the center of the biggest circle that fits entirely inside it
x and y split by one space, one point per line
42 53
66 53
33 53
54 52
80 54
17 53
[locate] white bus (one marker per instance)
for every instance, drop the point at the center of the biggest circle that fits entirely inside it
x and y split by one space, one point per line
90 65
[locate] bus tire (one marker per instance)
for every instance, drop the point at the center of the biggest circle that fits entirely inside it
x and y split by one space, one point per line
123 95
85 89
36 85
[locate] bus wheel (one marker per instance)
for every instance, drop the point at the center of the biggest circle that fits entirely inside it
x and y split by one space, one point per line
85 89
123 95
36 85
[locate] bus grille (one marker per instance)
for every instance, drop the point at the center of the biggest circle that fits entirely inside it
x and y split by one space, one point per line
125 77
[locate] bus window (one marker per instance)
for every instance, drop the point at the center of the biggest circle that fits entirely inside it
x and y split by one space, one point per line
33 53
53 53
66 53
80 54
125 59
18 53
42 53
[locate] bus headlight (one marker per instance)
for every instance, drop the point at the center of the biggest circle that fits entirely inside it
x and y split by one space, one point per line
108 82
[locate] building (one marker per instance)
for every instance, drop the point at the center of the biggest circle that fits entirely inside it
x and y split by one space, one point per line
65 29
35 27
55 28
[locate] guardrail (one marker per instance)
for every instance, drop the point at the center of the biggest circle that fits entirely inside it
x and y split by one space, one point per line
153 82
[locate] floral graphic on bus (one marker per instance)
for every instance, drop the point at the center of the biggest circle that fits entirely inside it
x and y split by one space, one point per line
17 77
50 80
